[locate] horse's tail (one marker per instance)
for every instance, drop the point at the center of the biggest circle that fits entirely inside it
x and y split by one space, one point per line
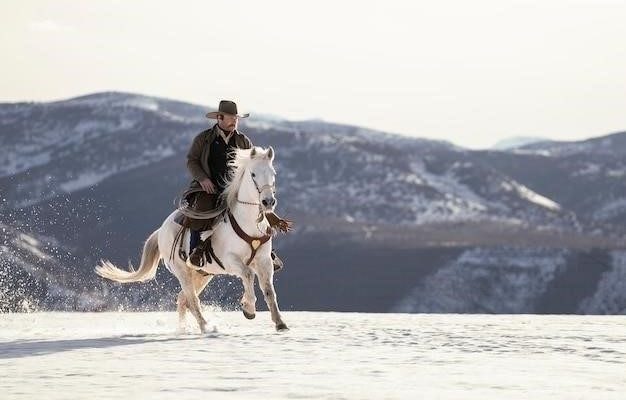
147 269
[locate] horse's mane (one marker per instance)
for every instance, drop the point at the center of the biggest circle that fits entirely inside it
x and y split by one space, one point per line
236 166
239 162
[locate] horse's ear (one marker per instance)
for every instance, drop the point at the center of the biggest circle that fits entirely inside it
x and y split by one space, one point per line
270 153
253 152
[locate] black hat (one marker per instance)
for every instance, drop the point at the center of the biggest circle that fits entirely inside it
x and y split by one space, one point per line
226 107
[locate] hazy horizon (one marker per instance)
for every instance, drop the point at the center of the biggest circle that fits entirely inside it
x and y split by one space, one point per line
500 141
469 73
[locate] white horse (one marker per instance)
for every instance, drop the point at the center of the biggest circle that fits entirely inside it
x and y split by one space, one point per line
249 193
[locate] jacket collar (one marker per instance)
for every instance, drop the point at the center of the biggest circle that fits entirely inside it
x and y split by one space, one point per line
223 134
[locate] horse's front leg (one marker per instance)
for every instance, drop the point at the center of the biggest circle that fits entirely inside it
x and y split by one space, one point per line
248 300
265 271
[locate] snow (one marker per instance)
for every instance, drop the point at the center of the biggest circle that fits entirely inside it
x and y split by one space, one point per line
16 161
325 355
460 202
448 184
536 198
495 279
610 296
262 124
610 210
159 152
86 127
529 195
84 180
588 169
538 152
31 244
616 173
145 103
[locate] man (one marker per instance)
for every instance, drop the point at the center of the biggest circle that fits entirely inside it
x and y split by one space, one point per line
207 162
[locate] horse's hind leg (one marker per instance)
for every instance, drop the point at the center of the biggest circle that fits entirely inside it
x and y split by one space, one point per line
200 281
188 298
193 302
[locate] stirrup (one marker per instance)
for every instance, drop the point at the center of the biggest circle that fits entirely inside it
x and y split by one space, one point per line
194 266
205 257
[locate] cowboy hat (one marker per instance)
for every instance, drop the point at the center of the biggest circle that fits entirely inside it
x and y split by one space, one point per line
226 107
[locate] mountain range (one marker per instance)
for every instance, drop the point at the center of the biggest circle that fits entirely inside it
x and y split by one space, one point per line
383 222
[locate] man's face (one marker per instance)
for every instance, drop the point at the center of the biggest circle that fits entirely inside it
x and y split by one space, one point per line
228 122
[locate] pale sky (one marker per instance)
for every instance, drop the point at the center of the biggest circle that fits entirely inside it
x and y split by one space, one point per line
470 72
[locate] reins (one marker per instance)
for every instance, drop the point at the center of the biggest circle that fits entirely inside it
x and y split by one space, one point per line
253 241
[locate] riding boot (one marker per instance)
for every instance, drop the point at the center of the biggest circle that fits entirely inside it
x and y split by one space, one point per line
278 263
200 253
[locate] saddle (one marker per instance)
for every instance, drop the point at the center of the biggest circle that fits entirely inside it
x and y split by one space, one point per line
209 255
275 222
180 219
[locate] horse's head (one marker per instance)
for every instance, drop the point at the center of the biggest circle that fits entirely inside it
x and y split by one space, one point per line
263 176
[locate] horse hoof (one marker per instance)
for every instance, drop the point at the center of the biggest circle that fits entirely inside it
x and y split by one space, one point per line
248 315
282 327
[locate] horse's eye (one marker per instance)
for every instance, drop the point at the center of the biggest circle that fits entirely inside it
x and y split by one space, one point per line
253 174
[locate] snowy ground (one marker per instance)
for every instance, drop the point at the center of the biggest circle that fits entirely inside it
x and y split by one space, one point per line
325 355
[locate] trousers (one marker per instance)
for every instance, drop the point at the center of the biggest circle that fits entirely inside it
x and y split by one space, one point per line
200 201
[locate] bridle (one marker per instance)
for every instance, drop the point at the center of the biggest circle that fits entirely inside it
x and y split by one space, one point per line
253 241
259 190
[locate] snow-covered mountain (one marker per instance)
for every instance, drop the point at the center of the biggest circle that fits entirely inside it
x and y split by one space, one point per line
516 141
612 144
98 173
512 280
49 150
584 177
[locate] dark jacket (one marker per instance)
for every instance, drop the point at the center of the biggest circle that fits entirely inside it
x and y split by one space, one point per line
200 151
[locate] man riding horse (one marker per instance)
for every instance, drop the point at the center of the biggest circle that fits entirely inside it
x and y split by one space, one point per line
207 161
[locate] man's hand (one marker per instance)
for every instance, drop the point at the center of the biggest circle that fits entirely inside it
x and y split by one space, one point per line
207 185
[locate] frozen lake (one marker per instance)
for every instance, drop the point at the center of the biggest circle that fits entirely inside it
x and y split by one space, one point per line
325 355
